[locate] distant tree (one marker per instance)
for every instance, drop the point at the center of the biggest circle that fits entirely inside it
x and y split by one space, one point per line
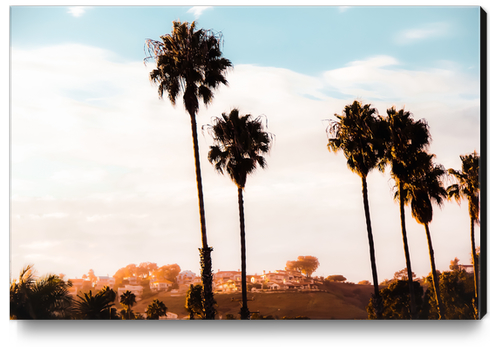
193 302
402 275
397 301
91 276
336 278
145 269
454 265
46 297
365 282
168 272
305 264
468 187
156 309
127 300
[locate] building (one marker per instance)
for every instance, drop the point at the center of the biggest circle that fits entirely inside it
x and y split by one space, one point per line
103 281
159 285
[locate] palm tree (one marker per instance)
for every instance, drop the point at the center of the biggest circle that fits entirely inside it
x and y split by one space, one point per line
128 299
407 137
44 298
239 143
425 188
189 62
469 188
96 306
359 133
156 309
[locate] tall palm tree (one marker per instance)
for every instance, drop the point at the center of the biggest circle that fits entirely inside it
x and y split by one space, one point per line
128 299
424 188
189 62
407 138
46 297
469 188
239 143
359 133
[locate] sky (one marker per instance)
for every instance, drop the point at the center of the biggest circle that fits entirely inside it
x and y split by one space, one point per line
102 170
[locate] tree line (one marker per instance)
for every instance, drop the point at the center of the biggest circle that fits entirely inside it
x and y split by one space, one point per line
370 141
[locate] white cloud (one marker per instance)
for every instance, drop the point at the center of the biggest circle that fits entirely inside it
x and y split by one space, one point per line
77 11
198 10
432 30
130 163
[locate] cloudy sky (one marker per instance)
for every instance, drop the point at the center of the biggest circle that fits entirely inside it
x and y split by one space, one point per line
102 171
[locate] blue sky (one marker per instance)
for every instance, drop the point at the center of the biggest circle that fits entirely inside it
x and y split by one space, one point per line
102 170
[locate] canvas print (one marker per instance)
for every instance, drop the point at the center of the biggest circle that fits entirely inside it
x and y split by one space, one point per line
247 163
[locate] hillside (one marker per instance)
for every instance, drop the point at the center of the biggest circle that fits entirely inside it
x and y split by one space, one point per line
333 301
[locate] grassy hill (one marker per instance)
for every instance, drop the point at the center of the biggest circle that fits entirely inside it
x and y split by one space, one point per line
333 301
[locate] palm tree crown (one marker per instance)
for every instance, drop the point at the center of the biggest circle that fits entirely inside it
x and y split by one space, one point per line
239 142
46 297
469 183
359 133
188 61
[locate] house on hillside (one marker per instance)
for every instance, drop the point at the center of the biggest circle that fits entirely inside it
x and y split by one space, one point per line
187 277
159 285
467 268
103 281
227 281
79 284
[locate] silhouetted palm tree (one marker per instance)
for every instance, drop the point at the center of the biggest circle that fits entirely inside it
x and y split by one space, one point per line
156 309
407 138
128 299
359 133
96 306
43 298
239 143
189 62
469 188
426 187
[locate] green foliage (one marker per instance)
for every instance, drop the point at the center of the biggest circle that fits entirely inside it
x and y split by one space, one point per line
396 301
305 264
457 293
156 309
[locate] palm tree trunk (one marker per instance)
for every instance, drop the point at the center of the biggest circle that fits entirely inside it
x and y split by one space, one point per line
435 279
244 312
475 265
205 251
378 303
413 312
